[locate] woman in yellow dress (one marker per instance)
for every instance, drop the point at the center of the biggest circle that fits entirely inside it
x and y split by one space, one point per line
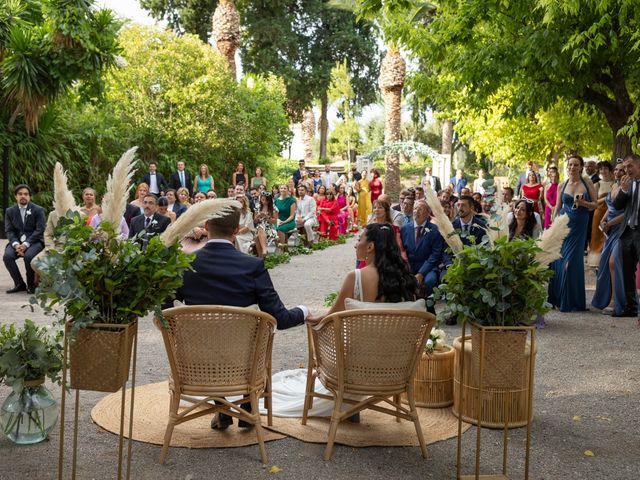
364 199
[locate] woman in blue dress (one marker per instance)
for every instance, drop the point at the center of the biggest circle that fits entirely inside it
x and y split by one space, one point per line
566 288
610 279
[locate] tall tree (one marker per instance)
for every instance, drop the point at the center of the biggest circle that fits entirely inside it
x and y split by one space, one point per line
585 51
184 16
45 48
226 32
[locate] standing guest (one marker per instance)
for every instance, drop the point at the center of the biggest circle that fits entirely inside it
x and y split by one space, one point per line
286 205
343 215
523 224
478 183
297 175
181 178
603 188
628 198
244 236
259 179
155 180
357 176
292 187
364 199
89 207
174 205
431 180
610 277
375 185
317 180
150 223
306 181
163 209
24 226
203 181
329 177
424 246
183 197
550 194
591 169
522 179
459 181
141 192
240 175
532 190
306 219
265 218
328 217
566 288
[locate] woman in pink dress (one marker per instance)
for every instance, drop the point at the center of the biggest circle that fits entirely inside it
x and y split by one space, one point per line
375 185
343 215
550 195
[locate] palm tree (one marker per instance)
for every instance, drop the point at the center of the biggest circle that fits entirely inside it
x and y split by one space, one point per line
226 32
391 81
308 133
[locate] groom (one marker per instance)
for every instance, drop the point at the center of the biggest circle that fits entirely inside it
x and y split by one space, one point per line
224 276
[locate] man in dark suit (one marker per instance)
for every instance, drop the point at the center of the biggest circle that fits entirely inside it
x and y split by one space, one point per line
181 178
224 276
297 175
155 180
470 227
628 198
424 246
430 179
150 223
24 225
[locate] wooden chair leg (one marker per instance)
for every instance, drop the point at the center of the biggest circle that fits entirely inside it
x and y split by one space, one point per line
258 426
308 395
416 421
174 404
268 402
333 429
396 400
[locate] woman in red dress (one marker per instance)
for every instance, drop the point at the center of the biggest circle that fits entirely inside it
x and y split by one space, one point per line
328 210
532 190
375 185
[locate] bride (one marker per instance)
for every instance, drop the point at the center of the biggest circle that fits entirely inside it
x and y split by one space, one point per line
385 278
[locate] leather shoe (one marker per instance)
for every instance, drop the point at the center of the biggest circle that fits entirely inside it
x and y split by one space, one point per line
245 424
625 313
18 288
220 421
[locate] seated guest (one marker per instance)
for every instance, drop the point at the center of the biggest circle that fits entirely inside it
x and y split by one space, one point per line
163 209
123 227
149 224
24 225
471 227
183 198
507 195
407 207
89 207
381 214
396 216
523 223
306 219
199 197
264 219
231 192
211 194
424 246
343 214
419 193
328 216
141 191
174 205
286 205
244 237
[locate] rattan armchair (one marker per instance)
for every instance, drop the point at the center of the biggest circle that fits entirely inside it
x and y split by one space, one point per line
216 352
371 355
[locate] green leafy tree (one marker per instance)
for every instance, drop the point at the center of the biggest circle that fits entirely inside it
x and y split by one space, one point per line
46 48
192 16
583 51
345 137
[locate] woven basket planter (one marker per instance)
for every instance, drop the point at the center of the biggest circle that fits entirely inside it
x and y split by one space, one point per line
433 383
100 355
504 397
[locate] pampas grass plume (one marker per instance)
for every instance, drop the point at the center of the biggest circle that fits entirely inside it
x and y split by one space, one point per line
63 200
114 201
552 239
196 215
441 220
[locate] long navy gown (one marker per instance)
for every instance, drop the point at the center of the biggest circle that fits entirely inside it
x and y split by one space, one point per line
566 288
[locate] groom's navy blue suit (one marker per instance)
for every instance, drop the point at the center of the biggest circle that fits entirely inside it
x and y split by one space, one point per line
224 276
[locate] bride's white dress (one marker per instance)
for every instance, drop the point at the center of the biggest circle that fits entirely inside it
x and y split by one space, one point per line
288 389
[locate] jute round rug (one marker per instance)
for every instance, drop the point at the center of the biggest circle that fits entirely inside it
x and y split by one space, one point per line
376 429
150 415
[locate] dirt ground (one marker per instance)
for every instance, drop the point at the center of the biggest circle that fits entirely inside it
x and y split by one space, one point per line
586 398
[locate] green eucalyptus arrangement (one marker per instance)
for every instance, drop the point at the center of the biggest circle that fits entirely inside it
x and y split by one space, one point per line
29 353
96 277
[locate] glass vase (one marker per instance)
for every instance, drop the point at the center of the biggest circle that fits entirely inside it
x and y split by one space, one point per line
28 417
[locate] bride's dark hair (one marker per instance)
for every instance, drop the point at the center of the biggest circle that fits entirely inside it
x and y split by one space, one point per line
396 282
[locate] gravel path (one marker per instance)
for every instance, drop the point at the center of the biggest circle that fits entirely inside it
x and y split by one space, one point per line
587 397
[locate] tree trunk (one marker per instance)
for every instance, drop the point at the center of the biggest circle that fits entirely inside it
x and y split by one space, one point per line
447 137
308 133
392 122
621 147
324 125
226 32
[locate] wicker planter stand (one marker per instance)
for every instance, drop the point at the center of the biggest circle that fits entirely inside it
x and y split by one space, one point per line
433 383
498 391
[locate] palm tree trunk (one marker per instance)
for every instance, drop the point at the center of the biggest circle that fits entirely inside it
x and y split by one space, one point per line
324 124
226 32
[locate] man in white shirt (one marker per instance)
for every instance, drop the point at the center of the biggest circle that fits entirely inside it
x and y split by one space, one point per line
306 214
155 180
328 177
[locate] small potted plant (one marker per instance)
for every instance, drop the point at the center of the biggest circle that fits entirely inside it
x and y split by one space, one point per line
28 355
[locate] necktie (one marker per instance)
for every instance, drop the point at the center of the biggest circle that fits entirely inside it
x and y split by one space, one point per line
465 228
418 234
182 179
23 213
147 221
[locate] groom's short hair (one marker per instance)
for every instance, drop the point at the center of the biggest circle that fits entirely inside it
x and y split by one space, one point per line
224 226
